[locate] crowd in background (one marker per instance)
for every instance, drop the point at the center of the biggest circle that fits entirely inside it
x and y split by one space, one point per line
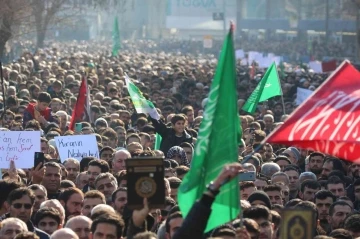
88 198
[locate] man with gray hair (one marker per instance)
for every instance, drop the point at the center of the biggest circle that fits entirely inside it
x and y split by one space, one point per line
280 177
12 226
106 183
73 167
118 162
269 123
268 169
307 176
80 225
81 180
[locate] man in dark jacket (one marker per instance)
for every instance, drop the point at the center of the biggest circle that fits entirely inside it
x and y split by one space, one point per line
21 204
172 136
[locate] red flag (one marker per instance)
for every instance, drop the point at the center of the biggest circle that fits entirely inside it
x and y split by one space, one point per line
328 66
81 108
328 121
252 70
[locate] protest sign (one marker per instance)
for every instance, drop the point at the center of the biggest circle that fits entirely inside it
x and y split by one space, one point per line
76 146
19 146
239 54
302 94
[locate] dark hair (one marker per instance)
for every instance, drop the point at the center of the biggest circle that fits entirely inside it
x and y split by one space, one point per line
246 184
52 164
84 163
334 180
292 168
337 173
324 194
313 184
169 218
257 212
95 194
276 218
47 212
106 148
173 163
223 230
109 218
341 203
19 193
272 187
67 184
178 117
293 202
133 135
341 233
356 182
307 205
102 164
174 182
181 170
170 202
68 192
6 187
120 189
337 165
44 97
352 223
313 154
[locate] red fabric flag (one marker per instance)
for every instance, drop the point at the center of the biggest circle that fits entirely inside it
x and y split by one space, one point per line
80 109
252 70
328 66
328 121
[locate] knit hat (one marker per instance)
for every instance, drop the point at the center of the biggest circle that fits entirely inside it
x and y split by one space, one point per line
296 152
261 196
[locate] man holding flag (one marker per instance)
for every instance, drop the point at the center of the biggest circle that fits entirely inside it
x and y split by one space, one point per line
217 145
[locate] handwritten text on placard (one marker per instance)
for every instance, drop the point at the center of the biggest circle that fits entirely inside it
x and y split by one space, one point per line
19 146
77 146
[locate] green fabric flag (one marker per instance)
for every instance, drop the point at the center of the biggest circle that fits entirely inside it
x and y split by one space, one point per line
116 38
268 87
141 104
158 140
282 70
220 124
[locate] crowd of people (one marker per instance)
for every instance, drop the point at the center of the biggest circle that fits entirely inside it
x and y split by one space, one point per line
88 198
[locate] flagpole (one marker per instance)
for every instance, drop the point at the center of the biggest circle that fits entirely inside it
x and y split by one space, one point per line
282 95
3 91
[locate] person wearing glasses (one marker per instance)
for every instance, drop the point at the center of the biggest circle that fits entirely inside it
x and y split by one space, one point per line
21 203
95 168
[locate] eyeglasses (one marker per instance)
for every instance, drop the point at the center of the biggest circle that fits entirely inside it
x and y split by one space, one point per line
20 205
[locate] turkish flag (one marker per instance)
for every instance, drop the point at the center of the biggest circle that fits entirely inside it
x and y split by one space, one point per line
81 110
328 121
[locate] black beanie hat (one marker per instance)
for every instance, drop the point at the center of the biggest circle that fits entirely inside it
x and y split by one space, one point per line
260 195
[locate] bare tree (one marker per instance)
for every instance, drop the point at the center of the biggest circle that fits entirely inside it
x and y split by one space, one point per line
12 14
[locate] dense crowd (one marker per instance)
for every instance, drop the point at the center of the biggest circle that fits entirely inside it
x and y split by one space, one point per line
88 198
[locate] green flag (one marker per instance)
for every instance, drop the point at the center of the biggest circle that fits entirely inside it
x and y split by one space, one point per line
116 38
217 144
141 104
158 140
268 87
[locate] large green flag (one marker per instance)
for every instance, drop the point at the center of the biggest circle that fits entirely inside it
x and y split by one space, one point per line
116 38
141 104
217 144
268 87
